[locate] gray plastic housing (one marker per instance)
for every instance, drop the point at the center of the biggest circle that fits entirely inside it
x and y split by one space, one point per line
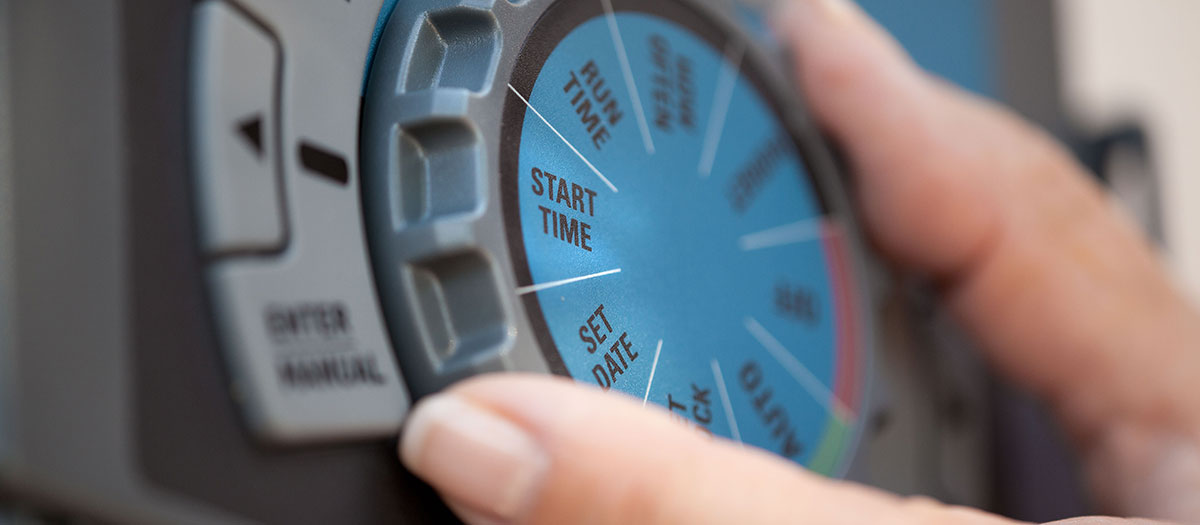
115 402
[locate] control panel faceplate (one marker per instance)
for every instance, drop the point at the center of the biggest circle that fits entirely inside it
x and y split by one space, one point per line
276 137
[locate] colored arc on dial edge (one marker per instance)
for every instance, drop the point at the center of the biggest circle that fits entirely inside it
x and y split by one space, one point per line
838 430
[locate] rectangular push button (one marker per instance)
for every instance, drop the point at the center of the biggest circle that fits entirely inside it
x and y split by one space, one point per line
309 356
235 135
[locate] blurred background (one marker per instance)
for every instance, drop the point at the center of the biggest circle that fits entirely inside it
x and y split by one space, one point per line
1117 81
1136 61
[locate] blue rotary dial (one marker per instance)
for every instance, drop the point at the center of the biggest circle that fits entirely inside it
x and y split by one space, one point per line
668 239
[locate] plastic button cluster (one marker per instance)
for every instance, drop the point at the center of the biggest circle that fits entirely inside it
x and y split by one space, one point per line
275 98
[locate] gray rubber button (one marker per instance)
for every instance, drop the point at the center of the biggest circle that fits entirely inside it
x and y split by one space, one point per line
235 138
302 332
307 350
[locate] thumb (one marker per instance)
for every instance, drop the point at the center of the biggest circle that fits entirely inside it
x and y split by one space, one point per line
538 449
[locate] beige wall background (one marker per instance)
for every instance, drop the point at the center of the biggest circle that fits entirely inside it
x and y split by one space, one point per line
1141 58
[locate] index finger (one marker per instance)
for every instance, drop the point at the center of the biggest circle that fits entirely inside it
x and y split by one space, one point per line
1063 292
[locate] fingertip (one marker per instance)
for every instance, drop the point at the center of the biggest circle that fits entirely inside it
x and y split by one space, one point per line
415 433
471 516
473 455
918 148
858 81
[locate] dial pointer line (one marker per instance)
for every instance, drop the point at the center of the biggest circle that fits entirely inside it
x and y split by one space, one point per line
653 368
720 108
564 139
799 372
792 233
522 290
627 72
733 427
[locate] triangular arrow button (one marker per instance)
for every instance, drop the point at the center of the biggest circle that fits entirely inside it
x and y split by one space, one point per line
251 129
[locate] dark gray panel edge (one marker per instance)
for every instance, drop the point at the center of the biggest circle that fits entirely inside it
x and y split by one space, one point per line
68 444
6 226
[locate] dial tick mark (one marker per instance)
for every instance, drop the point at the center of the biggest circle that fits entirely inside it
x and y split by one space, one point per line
522 290
627 72
793 233
653 368
798 371
720 378
607 182
720 108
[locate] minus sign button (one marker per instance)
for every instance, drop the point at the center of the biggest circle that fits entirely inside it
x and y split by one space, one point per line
324 163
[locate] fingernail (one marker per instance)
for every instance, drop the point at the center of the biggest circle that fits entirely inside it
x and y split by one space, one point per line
472 517
487 465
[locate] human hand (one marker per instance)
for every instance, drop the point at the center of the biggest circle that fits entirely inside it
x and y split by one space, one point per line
1064 294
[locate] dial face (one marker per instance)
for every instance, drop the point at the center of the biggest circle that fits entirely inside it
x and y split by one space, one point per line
667 238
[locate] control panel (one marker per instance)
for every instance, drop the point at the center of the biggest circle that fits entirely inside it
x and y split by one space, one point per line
301 216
